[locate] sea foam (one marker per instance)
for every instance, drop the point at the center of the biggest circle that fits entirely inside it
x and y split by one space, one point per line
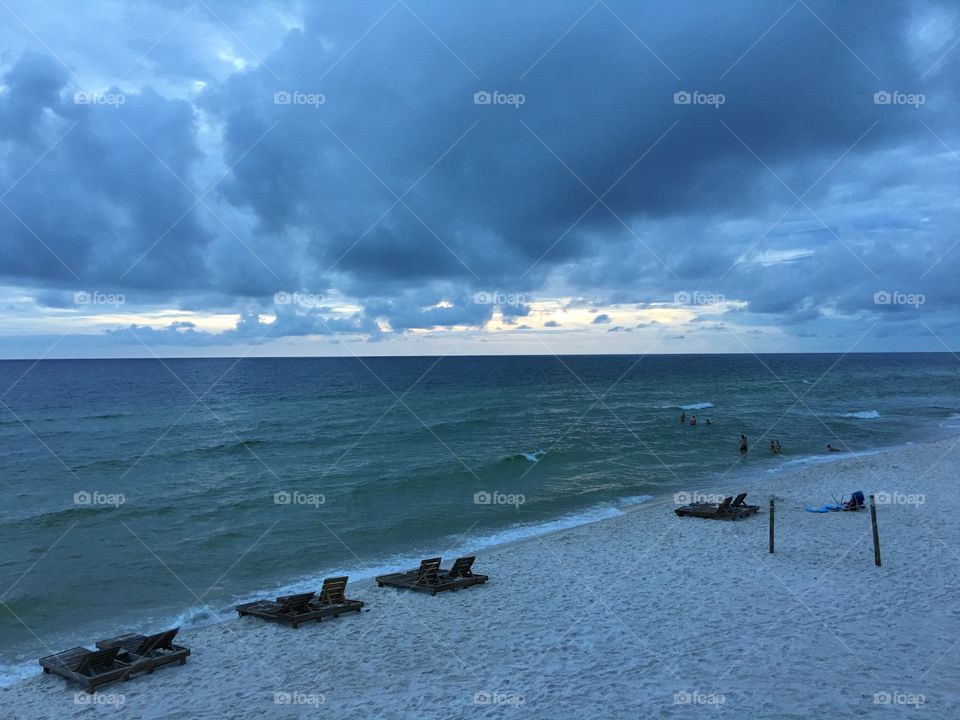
691 406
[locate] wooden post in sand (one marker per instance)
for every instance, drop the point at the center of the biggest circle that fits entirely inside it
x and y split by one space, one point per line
876 535
771 524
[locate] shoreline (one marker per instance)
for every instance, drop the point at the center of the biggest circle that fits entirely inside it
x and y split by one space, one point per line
631 533
361 581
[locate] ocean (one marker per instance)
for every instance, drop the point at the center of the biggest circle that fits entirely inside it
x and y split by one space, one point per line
139 494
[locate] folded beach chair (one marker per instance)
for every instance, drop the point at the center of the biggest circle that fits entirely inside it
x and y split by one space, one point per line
145 653
429 578
723 511
855 502
332 600
462 570
89 668
290 609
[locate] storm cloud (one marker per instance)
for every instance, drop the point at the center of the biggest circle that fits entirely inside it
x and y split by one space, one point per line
778 164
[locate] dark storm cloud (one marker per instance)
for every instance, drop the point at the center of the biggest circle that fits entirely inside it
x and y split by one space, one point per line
369 169
99 199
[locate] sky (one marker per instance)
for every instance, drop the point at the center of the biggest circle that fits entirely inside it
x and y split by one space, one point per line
396 177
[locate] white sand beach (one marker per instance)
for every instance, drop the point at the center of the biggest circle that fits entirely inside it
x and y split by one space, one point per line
646 615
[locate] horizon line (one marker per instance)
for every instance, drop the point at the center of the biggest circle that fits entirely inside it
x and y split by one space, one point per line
491 355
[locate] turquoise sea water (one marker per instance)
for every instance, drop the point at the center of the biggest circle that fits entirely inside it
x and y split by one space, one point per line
137 493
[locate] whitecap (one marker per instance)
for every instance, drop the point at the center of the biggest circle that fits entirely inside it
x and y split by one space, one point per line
862 414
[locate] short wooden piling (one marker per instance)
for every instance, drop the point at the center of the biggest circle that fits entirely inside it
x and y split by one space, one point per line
876 534
771 524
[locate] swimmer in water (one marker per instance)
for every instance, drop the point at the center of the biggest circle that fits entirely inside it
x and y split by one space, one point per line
831 448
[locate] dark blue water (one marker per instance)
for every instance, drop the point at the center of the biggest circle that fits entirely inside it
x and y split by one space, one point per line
139 491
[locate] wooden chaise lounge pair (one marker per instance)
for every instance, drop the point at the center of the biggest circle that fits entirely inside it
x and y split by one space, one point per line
305 607
116 659
430 578
730 509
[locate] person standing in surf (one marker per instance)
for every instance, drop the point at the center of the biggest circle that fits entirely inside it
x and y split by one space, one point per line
683 417
743 443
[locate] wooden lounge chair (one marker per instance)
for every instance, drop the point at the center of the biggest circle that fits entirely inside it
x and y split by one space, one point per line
293 610
145 653
429 578
89 668
332 600
297 609
738 503
723 511
462 569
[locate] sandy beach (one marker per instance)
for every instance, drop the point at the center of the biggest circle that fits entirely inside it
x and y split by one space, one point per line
645 615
